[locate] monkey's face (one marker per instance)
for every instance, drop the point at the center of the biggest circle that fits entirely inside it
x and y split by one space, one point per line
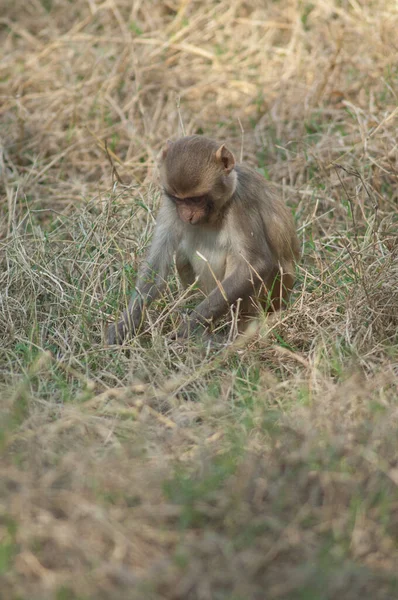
194 210
197 175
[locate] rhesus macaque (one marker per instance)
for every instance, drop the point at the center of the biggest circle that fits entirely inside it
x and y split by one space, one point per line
227 229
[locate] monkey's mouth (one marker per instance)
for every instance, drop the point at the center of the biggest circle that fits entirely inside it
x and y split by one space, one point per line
197 220
192 217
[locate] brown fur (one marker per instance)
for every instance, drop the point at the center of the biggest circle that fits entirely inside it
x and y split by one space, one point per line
227 228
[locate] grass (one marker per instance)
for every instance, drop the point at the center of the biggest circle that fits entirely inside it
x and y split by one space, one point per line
261 468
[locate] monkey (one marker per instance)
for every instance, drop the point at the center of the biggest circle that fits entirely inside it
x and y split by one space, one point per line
228 230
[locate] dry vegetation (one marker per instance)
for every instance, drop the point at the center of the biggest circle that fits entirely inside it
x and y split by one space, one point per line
261 470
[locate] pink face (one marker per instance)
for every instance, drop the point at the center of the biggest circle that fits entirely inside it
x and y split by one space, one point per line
194 174
192 210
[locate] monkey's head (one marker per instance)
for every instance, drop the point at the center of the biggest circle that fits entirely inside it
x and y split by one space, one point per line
197 174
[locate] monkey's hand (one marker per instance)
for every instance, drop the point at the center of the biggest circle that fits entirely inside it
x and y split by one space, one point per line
182 332
116 333
128 326
191 325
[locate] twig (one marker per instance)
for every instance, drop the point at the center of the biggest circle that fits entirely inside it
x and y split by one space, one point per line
178 105
114 170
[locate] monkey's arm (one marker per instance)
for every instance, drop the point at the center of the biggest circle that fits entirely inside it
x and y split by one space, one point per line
244 281
151 279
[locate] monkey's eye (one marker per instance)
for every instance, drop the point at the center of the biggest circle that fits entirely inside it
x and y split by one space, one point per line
197 199
170 196
189 200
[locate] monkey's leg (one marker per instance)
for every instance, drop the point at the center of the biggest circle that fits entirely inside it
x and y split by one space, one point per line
247 307
279 289
239 284
248 312
184 269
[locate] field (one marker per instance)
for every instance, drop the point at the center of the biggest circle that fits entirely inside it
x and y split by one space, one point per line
250 469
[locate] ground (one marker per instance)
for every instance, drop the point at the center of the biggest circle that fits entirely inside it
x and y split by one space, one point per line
258 468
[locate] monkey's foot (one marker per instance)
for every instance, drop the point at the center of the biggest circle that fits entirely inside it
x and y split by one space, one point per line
116 333
188 327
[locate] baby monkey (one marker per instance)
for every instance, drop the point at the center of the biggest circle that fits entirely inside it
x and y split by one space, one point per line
228 230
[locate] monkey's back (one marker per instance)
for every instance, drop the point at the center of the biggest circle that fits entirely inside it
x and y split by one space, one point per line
258 206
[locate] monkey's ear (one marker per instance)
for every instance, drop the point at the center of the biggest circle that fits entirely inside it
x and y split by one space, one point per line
225 158
165 149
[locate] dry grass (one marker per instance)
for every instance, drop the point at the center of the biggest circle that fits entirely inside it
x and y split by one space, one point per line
261 470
